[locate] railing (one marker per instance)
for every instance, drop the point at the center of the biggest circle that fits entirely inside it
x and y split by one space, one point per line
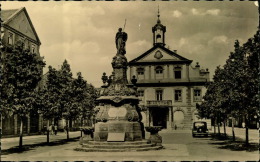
159 103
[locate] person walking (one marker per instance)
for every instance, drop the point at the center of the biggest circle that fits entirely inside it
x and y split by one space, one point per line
65 129
55 129
51 130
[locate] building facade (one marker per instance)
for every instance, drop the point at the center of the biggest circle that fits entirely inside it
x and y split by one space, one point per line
168 85
17 26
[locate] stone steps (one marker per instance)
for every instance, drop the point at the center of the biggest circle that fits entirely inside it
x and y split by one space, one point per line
103 146
117 149
122 146
117 143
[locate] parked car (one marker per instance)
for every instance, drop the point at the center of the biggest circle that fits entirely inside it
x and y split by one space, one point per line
200 128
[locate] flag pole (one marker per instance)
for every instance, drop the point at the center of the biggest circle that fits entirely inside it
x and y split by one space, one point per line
124 25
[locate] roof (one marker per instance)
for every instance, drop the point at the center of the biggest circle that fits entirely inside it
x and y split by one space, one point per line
6 14
9 15
182 59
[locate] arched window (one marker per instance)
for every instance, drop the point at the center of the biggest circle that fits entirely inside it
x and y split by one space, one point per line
158 38
158 70
140 73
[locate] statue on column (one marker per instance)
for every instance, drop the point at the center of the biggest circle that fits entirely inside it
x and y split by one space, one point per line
121 38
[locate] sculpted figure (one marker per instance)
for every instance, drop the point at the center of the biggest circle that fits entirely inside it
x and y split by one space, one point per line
121 38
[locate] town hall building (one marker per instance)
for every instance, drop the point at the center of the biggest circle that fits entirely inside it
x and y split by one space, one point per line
168 85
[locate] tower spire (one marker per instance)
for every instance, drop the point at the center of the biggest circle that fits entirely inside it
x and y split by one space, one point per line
158 21
158 31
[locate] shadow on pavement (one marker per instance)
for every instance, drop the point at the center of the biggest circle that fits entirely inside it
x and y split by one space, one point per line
227 143
16 149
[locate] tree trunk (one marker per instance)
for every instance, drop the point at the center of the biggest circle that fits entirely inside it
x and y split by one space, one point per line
218 122
218 129
48 131
67 123
247 133
214 126
81 124
225 132
233 130
21 134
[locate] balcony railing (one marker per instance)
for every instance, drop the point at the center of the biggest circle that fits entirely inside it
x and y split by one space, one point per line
159 103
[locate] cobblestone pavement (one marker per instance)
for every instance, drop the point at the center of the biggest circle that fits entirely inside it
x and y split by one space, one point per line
7 143
241 133
179 146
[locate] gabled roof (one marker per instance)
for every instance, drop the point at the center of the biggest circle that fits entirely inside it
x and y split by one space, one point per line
9 15
181 59
6 14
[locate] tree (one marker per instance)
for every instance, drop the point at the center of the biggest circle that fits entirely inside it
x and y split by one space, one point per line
216 100
90 103
49 96
243 64
234 90
83 99
69 110
20 75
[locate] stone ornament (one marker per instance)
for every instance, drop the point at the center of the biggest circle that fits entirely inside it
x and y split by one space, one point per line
158 55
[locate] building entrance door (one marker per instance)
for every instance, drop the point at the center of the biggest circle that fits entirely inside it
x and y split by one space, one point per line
160 117
178 117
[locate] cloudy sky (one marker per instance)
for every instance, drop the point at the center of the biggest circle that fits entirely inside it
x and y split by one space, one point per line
84 32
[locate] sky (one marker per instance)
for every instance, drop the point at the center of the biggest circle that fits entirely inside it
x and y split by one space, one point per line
84 32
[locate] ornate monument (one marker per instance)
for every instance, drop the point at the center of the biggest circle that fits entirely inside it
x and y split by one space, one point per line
118 118
119 126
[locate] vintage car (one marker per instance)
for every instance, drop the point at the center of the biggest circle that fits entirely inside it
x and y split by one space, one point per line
200 129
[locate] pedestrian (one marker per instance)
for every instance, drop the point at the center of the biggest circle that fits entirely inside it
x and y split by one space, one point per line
243 125
65 129
55 129
50 129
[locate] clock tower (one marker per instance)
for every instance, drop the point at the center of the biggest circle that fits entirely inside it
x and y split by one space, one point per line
159 32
